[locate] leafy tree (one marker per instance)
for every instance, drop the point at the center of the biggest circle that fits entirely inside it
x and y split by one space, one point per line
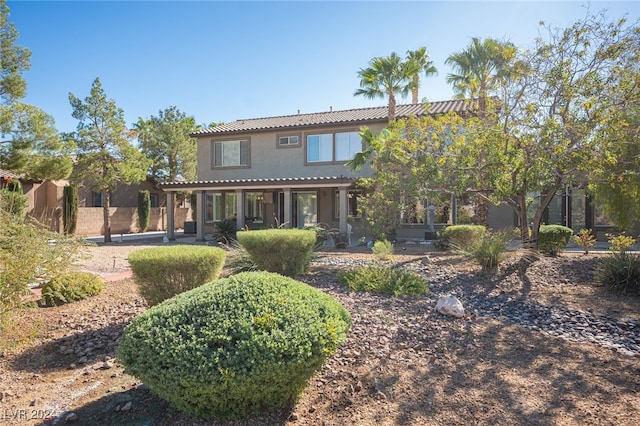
387 77
420 60
411 160
560 121
144 209
35 150
165 140
105 155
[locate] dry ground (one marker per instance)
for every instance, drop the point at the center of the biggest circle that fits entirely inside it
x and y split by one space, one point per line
402 364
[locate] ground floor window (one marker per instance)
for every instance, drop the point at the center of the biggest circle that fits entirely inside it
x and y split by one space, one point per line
219 206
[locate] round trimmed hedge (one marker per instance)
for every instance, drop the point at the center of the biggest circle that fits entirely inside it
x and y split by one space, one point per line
70 287
163 272
284 251
235 346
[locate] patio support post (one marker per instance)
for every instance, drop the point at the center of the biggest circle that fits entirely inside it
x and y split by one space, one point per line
239 209
287 207
171 211
343 209
200 215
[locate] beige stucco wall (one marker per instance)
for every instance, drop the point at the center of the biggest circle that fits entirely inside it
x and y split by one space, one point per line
269 161
125 220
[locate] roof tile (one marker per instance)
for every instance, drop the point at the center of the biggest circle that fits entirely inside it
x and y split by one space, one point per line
361 115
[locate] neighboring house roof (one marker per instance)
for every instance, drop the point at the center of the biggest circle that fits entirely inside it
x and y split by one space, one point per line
355 116
263 183
8 174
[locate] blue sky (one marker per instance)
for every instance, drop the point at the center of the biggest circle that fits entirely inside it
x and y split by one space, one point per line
223 61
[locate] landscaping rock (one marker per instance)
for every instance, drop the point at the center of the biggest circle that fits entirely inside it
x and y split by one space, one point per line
450 305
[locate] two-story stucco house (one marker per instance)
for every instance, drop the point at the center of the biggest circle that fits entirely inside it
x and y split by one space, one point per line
287 170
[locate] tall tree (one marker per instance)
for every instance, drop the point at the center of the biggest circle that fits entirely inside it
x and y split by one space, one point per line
421 61
165 140
561 120
387 77
105 155
480 69
33 147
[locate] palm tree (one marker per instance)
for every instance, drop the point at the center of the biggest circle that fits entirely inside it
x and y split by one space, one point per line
420 59
480 68
387 76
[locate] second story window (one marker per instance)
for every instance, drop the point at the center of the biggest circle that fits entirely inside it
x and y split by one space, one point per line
290 140
231 153
333 147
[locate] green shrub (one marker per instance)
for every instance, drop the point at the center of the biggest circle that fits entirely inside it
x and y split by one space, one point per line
553 238
26 256
620 242
382 250
463 236
144 209
163 272
235 346
225 231
384 279
71 286
70 209
285 251
585 239
14 203
321 234
490 250
620 272
238 259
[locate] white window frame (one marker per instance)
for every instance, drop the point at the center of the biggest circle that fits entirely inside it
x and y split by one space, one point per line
219 161
328 150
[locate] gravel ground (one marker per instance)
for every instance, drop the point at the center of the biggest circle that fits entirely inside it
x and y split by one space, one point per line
539 344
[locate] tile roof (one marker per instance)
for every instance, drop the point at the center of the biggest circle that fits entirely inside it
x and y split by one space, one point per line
8 174
356 116
264 182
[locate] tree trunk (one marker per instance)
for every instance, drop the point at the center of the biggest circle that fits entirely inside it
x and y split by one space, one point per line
414 91
481 210
392 107
106 201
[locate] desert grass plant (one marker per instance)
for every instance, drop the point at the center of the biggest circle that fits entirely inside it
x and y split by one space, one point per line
461 237
553 238
29 253
238 259
585 239
490 250
162 272
70 287
236 346
621 272
382 250
285 251
384 279
225 231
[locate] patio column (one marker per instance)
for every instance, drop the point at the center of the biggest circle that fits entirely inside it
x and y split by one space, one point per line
239 209
287 207
200 215
171 234
343 197
453 211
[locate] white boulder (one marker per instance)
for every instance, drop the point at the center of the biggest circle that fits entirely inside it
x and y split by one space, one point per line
450 305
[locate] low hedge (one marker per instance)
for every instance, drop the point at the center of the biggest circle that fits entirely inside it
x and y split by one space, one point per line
70 287
553 238
163 272
235 346
285 251
463 236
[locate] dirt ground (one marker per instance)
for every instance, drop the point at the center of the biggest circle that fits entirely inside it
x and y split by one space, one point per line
402 364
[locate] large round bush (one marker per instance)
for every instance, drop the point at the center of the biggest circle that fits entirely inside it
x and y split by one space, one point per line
234 346
163 272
